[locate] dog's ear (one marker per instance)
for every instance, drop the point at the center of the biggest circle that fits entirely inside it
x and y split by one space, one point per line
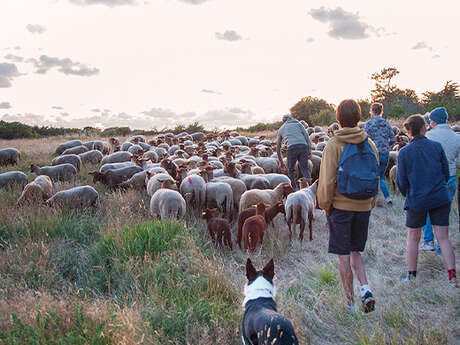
269 270
251 272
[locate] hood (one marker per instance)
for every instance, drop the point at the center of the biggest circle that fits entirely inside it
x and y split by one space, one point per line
353 135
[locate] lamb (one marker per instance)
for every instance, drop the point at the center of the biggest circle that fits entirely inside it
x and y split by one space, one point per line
67 145
75 150
155 182
219 228
36 191
9 156
254 228
193 188
112 178
63 172
13 179
117 157
220 195
168 204
300 206
271 197
270 213
71 159
91 157
77 197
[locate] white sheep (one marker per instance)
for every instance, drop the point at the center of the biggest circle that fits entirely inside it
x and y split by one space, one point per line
155 182
253 196
220 195
193 188
67 145
238 188
117 157
12 179
73 159
9 155
78 197
168 204
91 157
276 179
36 191
63 172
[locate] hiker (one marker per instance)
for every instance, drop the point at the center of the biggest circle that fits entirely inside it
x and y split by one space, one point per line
348 215
423 172
442 133
381 133
298 148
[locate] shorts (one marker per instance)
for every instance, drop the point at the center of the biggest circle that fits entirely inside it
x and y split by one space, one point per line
347 231
438 216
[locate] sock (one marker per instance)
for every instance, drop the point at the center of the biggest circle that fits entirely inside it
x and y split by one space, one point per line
452 274
412 274
364 289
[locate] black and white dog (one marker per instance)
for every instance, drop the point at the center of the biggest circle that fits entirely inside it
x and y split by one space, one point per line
262 324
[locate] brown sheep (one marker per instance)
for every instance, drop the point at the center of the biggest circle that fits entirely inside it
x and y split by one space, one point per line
112 178
254 228
219 228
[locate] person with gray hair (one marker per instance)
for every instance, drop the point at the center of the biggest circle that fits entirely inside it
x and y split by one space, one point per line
298 147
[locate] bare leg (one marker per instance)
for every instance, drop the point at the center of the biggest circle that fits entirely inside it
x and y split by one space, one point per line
357 263
346 276
447 251
413 239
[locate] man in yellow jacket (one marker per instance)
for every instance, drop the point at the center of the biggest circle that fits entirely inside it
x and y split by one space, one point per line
348 218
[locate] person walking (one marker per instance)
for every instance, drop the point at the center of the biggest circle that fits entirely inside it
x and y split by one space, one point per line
347 215
442 133
381 133
293 133
423 172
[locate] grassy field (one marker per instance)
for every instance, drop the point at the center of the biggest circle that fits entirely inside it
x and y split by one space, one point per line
114 275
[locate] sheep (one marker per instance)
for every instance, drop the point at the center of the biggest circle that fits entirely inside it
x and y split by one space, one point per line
117 157
219 228
113 166
67 145
193 188
91 157
36 191
238 188
255 181
168 204
71 159
299 208
393 173
13 179
9 156
270 213
75 150
271 197
276 179
254 228
63 172
152 155
77 197
220 195
154 181
136 150
114 143
112 178
137 181
270 165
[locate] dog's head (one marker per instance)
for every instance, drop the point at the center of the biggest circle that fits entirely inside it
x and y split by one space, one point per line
268 272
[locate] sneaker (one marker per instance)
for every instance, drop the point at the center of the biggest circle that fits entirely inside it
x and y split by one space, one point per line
427 246
388 200
407 279
454 283
368 302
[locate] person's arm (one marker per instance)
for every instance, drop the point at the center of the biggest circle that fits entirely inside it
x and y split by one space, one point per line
458 152
401 176
327 178
279 140
391 135
444 165
307 139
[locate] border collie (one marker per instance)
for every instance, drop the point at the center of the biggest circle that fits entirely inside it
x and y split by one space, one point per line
262 324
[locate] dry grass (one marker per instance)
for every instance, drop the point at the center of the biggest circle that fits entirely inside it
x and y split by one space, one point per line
190 291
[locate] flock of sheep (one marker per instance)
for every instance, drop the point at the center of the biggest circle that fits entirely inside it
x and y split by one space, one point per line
226 174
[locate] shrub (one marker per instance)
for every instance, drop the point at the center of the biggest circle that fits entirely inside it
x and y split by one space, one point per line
324 118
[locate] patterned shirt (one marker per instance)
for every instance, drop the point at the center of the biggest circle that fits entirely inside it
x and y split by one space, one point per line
381 133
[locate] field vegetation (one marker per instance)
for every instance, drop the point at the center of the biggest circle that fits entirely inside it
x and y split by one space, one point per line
114 275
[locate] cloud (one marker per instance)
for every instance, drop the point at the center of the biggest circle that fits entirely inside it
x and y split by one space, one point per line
57 107
194 2
343 24
422 45
35 28
165 114
228 35
64 114
95 110
5 105
109 3
8 71
310 40
14 58
213 92
66 66
436 56
226 118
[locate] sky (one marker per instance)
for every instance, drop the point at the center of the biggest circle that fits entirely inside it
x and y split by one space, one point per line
224 63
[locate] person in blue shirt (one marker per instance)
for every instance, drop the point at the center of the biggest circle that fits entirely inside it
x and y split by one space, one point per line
422 175
381 133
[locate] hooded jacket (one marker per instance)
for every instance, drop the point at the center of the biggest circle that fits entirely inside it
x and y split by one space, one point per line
381 133
328 195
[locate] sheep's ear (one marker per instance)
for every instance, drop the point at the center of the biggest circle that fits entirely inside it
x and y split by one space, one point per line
269 270
149 174
251 272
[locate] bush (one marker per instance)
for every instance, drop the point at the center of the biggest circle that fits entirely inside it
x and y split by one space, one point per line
324 118
17 130
396 111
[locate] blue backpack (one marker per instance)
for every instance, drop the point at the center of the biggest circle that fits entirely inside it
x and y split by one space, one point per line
358 172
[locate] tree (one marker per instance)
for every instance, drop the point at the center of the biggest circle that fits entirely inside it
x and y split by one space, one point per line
383 85
448 97
308 106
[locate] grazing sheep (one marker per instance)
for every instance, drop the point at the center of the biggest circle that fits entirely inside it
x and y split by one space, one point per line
67 145
152 155
137 181
238 188
393 173
254 228
168 204
255 181
114 143
112 178
155 181
71 159
252 197
63 172
77 197
9 156
117 157
13 179
113 166
36 191
76 150
193 188
220 195
91 157
299 208
219 228
136 150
